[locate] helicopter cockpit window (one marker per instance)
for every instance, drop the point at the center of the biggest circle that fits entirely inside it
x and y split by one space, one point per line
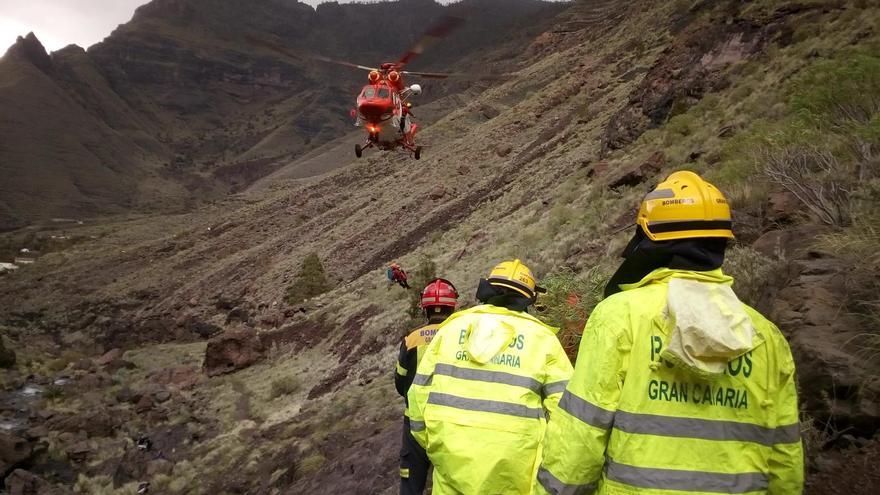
384 93
369 92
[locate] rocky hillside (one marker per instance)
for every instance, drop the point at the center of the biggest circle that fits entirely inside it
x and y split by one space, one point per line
178 106
775 101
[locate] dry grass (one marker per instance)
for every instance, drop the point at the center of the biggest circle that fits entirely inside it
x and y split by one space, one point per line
284 386
752 272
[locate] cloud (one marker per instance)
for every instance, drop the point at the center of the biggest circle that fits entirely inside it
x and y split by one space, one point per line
58 23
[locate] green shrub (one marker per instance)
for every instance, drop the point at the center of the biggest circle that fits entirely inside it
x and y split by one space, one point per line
310 464
285 385
53 392
310 282
568 302
424 273
839 94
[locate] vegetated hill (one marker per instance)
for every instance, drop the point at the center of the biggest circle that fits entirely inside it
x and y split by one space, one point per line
178 104
775 102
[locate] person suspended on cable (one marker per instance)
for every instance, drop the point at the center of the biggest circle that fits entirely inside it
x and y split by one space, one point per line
397 275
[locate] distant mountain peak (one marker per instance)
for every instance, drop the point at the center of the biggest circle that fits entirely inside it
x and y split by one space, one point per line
30 48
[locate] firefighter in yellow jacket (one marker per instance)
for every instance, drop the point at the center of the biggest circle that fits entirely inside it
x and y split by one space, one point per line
438 301
679 387
484 388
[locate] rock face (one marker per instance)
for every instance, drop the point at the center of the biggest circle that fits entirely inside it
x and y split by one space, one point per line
691 67
13 451
836 386
232 351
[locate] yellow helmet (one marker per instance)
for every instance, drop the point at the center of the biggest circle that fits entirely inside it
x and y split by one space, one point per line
684 206
516 276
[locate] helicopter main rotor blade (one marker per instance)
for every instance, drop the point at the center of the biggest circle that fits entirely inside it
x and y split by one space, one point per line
340 62
443 28
279 48
453 75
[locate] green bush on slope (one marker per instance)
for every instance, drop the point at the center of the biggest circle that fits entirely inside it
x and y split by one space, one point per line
568 302
424 273
310 282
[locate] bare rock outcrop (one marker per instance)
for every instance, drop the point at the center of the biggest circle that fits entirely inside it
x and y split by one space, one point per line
835 379
13 451
694 64
232 351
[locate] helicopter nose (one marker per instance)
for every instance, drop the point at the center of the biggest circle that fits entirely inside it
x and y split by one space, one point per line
372 110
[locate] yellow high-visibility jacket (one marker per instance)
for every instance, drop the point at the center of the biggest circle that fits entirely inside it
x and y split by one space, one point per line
679 388
481 396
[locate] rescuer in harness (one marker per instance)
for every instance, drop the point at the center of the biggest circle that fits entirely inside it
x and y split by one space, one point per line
396 275
438 302
679 387
405 112
484 388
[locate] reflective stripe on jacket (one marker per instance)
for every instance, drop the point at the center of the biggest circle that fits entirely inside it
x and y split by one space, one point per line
479 400
632 422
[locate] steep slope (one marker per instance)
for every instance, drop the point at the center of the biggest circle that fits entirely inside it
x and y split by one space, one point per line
190 109
547 166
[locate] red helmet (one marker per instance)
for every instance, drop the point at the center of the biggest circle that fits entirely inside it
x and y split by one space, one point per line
440 292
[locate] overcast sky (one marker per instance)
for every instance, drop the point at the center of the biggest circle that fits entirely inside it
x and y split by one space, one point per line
58 23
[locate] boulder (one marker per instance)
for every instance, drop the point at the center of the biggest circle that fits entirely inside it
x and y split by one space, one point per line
272 318
773 244
22 482
126 394
13 452
232 351
238 315
194 325
84 364
109 357
178 377
503 150
78 452
36 433
94 424
633 176
7 356
144 404
162 396
782 207
437 192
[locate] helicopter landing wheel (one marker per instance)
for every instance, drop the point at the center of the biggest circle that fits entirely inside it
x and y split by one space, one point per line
417 154
358 151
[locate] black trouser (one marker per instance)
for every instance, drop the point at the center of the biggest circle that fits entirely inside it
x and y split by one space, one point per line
414 464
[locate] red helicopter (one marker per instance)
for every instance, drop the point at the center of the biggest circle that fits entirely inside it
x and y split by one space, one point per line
383 109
